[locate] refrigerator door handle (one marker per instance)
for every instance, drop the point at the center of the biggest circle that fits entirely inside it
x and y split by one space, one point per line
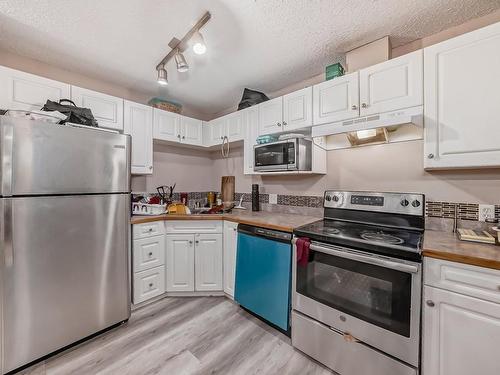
7 233
6 148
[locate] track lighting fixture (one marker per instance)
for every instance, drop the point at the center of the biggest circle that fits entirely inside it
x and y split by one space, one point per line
179 46
180 61
162 76
199 46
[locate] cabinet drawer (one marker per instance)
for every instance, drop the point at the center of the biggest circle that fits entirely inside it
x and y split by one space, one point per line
194 226
465 279
149 253
149 284
148 229
345 357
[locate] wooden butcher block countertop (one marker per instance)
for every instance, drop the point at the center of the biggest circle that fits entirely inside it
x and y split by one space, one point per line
446 246
270 220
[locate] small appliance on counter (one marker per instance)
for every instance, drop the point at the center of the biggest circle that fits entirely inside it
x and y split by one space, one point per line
255 197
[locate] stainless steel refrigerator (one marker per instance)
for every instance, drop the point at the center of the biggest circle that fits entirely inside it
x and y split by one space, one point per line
64 236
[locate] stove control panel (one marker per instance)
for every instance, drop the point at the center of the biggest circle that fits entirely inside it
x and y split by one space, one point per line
401 203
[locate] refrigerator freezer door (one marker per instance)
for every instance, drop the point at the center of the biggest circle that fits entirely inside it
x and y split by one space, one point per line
68 276
39 158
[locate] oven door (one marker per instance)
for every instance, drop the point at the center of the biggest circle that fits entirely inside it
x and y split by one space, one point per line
275 156
374 298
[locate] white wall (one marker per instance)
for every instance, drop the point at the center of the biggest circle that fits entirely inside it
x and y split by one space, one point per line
392 167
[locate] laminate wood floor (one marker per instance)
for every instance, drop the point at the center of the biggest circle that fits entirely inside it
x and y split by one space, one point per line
183 336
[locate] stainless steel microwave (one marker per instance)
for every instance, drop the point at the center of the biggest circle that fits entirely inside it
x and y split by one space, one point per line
293 154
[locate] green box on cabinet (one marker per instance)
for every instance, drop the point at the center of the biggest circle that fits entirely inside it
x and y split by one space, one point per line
334 70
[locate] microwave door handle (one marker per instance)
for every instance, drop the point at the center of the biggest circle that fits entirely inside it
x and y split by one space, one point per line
344 253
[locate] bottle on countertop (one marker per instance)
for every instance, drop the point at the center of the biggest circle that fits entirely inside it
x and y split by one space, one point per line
255 197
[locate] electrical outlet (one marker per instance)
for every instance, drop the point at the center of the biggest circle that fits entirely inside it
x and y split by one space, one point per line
273 198
486 211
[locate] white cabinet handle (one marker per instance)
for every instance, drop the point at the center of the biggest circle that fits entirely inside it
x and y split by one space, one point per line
364 105
430 156
190 242
179 136
430 303
354 107
279 123
284 123
150 167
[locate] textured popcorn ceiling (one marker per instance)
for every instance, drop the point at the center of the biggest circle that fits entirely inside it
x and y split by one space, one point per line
262 44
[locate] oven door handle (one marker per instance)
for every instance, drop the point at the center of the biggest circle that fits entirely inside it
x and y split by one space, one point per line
366 259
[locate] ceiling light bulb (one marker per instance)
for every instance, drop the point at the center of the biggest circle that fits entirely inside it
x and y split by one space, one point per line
162 76
368 133
182 65
199 46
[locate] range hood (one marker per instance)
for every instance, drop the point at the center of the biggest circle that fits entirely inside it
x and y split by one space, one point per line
413 116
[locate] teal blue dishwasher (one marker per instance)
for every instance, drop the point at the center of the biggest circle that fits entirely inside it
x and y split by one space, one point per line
263 273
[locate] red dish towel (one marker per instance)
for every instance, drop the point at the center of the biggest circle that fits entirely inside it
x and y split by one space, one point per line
302 251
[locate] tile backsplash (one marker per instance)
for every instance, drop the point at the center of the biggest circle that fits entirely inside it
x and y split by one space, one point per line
435 209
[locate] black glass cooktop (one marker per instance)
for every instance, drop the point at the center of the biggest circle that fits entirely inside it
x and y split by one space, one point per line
379 239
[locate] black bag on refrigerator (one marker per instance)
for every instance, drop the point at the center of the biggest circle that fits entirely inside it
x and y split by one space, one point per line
250 98
76 115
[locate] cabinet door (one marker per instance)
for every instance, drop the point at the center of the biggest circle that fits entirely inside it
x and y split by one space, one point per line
191 131
230 244
180 262
271 116
392 85
217 131
336 99
460 334
461 108
251 124
24 91
166 125
234 127
138 123
107 109
297 109
208 262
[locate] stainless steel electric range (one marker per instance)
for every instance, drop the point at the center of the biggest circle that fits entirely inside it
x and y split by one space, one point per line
357 283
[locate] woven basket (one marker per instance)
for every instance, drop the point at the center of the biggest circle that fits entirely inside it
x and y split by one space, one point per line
165 105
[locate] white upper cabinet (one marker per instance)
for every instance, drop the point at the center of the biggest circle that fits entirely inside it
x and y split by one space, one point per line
392 84
216 131
138 123
234 127
336 99
250 118
271 116
191 131
24 91
461 105
107 109
166 125
297 109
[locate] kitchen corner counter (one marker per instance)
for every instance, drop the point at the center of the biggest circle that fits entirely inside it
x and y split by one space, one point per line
446 246
265 219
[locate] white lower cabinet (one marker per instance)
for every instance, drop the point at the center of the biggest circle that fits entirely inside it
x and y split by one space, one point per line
180 262
230 249
208 262
460 332
149 284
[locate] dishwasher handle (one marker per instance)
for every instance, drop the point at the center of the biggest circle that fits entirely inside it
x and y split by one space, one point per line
271 234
